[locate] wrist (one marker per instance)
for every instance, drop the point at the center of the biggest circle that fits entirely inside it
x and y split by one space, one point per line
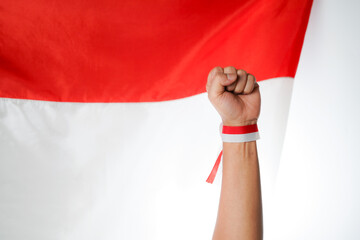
245 149
238 137
239 123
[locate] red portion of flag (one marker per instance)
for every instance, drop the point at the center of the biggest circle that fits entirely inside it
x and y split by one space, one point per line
137 51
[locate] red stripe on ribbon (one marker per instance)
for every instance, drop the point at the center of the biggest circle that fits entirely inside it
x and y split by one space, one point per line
240 129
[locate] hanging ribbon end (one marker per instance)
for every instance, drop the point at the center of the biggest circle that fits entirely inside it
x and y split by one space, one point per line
212 175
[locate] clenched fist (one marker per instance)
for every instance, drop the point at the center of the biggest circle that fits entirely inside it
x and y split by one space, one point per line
235 95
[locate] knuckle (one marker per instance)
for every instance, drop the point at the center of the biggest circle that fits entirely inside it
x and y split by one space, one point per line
251 77
213 72
218 76
216 69
241 72
229 69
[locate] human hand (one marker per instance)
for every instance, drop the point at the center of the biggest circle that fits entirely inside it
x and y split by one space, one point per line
235 95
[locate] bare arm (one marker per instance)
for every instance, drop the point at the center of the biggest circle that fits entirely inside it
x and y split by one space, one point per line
240 207
240 212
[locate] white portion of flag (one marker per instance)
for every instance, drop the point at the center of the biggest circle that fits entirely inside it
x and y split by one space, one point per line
122 170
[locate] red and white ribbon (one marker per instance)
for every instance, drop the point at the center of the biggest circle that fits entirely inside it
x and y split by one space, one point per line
246 133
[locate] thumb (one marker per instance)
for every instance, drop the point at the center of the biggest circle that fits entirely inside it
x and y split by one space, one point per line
218 80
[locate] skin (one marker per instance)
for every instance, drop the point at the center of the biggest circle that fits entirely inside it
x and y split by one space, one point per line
235 95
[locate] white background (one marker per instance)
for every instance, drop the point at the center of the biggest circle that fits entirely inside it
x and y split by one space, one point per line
318 190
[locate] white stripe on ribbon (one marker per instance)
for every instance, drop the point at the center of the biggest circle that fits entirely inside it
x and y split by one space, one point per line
240 137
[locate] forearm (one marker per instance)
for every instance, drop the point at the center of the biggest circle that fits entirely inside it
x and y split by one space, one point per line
240 211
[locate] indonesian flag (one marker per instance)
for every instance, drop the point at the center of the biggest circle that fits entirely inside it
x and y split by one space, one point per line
106 131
